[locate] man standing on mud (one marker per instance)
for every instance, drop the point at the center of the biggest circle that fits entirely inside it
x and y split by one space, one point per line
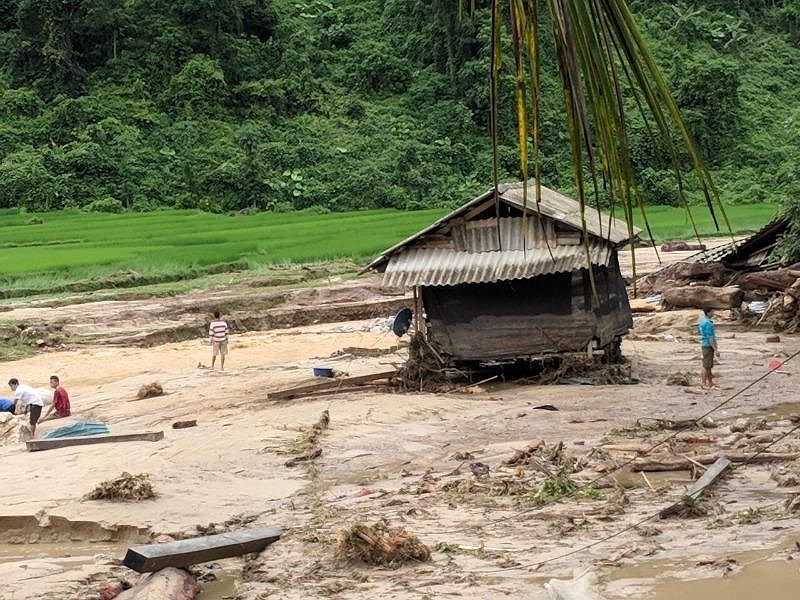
708 344
28 398
218 336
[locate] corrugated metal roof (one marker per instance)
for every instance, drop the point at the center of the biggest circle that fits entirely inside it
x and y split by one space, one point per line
552 204
566 210
442 266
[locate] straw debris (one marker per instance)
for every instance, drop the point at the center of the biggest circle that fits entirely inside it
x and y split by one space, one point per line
380 545
150 390
124 488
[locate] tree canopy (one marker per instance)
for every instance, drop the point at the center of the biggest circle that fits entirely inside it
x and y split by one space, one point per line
233 104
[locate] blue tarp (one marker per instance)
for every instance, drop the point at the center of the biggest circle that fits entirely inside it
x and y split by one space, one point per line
77 430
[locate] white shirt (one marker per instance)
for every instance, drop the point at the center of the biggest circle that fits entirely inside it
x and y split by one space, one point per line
26 395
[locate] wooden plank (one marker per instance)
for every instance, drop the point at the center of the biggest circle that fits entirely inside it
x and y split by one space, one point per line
698 488
332 384
150 436
183 553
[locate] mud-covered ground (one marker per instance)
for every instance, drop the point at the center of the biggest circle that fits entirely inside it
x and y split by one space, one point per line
413 460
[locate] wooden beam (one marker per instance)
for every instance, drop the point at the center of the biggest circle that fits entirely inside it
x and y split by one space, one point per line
478 209
698 488
150 436
183 553
332 384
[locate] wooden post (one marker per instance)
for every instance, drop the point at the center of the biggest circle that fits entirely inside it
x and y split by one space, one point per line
183 553
416 310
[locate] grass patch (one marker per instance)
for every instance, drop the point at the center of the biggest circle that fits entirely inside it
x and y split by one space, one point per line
670 222
15 349
71 251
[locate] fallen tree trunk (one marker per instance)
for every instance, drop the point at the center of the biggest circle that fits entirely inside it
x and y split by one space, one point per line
777 280
166 584
700 296
683 464
678 246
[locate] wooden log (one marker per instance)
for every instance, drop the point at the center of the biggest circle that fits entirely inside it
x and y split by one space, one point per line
150 436
333 384
678 246
699 296
167 584
682 464
777 280
698 488
184 424
183 553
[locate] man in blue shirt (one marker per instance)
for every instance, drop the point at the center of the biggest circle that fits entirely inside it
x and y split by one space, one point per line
708 343
8 405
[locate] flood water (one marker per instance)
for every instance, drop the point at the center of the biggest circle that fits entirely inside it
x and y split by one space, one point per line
74 555
764 580
761 574
783 410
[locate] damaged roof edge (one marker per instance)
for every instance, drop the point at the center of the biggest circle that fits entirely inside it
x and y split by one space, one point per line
558 207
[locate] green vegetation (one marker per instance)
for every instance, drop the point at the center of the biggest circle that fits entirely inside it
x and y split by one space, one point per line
558 487
229 104
71 251
74 251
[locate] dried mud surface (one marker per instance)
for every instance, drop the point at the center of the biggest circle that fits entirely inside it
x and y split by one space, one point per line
408 460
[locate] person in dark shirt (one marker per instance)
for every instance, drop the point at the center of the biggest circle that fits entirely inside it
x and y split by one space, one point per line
60 401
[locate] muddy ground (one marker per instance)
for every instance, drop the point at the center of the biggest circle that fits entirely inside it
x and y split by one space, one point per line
406 458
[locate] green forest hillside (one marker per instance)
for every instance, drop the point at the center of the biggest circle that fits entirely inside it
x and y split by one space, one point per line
346 104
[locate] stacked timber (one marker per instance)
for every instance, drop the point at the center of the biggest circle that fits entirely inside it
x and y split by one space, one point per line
697 285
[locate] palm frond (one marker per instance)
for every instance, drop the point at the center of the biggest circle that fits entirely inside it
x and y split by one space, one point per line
600 53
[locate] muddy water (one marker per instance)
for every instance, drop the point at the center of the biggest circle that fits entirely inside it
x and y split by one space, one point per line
773 580
783 410
73 553
767 574
628 479
72 556
221 589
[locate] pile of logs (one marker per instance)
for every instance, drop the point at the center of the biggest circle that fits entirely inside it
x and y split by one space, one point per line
697 285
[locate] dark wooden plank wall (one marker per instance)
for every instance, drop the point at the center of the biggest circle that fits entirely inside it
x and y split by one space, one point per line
542 315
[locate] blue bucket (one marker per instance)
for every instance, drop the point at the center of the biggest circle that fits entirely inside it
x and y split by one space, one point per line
323 372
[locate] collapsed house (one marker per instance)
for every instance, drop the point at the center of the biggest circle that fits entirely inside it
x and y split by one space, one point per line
494 286
742 275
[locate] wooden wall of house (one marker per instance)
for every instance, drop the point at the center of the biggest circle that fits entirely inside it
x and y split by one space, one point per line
541 315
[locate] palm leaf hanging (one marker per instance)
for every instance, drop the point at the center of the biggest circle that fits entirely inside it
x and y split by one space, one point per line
599 50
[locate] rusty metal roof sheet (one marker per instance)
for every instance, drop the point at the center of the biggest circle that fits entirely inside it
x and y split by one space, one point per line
552 204
566 210
443 266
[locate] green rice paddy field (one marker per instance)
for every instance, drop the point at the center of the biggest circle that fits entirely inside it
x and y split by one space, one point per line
168 245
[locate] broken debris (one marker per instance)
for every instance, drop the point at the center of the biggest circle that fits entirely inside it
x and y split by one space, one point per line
124 488
150 390
380 545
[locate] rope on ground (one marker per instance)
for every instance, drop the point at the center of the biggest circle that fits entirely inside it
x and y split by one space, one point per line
619 467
